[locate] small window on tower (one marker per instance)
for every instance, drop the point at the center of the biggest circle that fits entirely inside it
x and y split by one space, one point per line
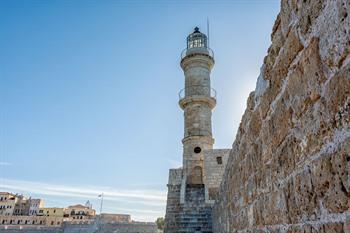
197 150
219 160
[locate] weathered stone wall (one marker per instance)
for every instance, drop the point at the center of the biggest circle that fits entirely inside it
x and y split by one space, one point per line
173 200
16 229
214 166
289 169
58 230
132 227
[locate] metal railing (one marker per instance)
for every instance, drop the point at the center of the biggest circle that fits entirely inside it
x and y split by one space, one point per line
197 90
209 51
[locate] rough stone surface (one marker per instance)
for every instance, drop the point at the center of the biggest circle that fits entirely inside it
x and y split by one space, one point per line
289 168
214 167
189 207
173 199
192 215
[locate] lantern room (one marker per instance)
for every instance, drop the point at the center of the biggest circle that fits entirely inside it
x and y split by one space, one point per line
197 39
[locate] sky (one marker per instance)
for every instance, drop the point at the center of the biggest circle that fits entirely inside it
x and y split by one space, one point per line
89 94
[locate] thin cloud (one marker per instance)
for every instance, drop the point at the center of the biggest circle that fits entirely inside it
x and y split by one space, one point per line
149 201
83 191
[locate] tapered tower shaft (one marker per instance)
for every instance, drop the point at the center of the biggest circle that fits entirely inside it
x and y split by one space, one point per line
197 100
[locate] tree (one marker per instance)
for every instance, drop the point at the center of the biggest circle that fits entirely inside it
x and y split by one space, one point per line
160 223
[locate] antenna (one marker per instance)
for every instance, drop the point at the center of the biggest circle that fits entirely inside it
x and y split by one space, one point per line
208 30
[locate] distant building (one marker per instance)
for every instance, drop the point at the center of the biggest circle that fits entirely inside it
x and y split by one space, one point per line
51 212
14 204
35 205
21 206
31 220
80 213
17 210
20 214
7 203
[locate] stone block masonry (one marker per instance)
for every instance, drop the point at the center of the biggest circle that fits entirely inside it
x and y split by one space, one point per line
214 167
289 168
121 227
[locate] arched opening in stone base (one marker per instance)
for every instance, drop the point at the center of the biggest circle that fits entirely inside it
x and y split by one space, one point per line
196 176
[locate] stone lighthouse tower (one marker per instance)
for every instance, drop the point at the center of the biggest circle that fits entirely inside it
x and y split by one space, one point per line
192 189
197 100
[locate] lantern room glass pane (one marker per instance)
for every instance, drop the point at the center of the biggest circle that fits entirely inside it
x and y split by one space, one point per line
196 40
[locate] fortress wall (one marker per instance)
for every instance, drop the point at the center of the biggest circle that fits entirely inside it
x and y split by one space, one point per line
173 200
132 227
289 168
28 229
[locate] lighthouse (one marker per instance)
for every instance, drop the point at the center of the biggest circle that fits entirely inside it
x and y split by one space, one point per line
197 100
192 189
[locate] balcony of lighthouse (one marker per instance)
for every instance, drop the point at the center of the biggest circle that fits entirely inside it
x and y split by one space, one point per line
197 93
193 51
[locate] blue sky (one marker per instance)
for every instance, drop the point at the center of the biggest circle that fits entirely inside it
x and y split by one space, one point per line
89 92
